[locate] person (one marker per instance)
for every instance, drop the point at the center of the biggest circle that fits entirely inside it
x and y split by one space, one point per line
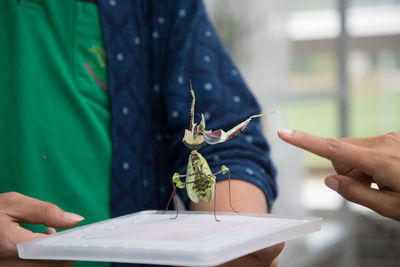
359 162
94 102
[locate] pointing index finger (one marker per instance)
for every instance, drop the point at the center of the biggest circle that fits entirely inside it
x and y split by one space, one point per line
332 149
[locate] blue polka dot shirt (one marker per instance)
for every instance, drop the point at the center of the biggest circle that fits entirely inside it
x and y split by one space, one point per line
153 49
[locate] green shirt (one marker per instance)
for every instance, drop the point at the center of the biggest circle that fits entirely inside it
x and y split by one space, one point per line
54 115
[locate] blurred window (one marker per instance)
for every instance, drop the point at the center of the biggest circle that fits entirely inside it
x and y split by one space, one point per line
373 74
314 95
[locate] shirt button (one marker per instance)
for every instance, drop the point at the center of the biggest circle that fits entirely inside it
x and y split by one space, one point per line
112 2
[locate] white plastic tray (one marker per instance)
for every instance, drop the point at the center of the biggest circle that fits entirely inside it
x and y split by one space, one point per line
193 239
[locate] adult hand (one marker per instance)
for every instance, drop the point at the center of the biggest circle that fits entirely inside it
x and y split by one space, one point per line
246 197
358 163
16 208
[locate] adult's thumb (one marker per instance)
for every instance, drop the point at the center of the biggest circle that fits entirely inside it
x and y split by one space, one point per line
360 193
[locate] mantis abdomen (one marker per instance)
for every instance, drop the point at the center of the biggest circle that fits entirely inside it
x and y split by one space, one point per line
200 180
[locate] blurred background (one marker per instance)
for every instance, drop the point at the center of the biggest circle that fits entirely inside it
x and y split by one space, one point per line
331 68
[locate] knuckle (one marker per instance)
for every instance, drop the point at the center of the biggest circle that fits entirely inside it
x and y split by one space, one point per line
48 209
7 247
11 195
394 157
333 146
348 191
388 155
390 207
387 159
394 134
268 254
7 199
392 137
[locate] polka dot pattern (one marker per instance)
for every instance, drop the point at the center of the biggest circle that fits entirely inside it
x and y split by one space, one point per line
155 35
175 114
208 86
125 110
236 99
137 41
249 139
150 60
113 3
125 165
120 57
182 12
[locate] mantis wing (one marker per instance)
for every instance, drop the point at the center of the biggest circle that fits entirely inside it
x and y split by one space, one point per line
190 181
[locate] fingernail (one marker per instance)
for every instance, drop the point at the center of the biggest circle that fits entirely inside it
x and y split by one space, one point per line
332 183
73 217
285 131
50 231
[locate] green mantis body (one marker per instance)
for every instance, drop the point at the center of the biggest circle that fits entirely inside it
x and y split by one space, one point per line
200 182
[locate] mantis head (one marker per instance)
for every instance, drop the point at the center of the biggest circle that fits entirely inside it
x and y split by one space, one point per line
193 138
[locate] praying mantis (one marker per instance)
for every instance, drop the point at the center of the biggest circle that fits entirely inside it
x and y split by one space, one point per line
200 182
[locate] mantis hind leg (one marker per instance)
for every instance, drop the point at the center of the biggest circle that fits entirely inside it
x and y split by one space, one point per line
229 191
224 170
215 202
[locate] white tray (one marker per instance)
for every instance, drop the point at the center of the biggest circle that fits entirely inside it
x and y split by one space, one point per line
193 239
